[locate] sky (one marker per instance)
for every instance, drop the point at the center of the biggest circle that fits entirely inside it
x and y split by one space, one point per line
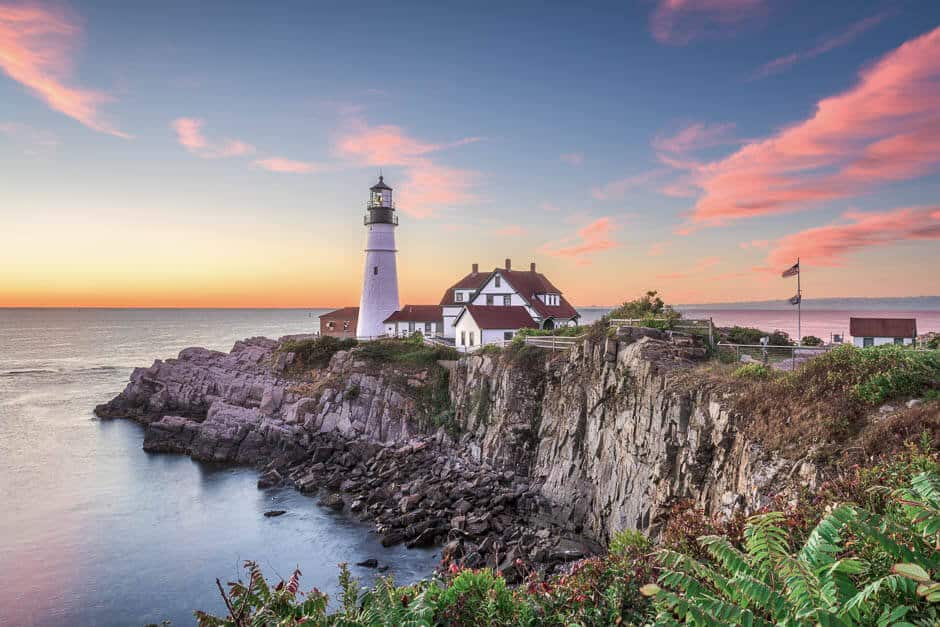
219 154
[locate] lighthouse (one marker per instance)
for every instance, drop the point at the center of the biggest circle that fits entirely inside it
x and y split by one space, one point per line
380 277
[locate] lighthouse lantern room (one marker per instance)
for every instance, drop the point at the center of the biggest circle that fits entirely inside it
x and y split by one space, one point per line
380 277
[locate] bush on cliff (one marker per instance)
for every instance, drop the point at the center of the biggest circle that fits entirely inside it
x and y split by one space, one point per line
315 352
750 335
647 307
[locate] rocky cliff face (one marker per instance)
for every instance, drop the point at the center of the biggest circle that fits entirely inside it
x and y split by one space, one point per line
615 432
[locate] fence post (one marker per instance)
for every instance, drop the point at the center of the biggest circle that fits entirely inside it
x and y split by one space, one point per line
711 340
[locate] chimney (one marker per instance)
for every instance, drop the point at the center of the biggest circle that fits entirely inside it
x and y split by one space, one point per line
532 267
508 264
476 268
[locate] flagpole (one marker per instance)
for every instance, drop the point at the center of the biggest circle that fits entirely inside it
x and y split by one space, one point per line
799 305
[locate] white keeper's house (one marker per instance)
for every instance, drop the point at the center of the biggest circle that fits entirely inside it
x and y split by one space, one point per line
487 307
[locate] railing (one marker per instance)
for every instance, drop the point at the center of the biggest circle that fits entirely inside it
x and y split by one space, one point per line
780 357
553 342
386 217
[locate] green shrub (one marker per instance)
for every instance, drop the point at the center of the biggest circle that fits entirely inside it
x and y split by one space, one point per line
626 540
750 335
648 306
315 352
412 351
812 340
889 372
754 372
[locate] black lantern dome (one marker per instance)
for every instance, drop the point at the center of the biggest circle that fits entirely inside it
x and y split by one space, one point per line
381 208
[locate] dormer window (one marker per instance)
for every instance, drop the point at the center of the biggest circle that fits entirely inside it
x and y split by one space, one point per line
458 297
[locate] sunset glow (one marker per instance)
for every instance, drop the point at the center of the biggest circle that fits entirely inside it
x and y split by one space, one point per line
165 156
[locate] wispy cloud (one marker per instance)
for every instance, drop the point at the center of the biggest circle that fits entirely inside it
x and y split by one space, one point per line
512 230
755 243
189 134
679 22
280 164
572 158
828 44
885 128
830 245
428 187
590 239
696 136
36 49
616 190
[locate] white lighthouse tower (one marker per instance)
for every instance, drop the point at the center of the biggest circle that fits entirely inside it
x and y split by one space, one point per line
380 278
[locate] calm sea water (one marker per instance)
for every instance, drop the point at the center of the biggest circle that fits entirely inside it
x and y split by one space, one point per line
94 531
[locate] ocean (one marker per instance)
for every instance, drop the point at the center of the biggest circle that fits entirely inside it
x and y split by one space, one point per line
95 531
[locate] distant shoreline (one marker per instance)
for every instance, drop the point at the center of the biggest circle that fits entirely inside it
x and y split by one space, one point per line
894 303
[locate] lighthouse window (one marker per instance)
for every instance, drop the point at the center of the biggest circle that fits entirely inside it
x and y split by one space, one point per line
375 270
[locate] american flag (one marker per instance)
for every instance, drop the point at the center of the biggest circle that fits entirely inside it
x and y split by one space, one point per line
792 270
795 300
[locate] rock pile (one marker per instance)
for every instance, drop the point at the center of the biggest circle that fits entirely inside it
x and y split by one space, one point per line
423 494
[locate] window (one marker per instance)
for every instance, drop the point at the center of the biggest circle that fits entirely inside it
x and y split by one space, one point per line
507 335
346 325
428 328
458 297
375 270
463 338
507 300
497 281
330 325
868 341
471 338
411 327
899 341
489 299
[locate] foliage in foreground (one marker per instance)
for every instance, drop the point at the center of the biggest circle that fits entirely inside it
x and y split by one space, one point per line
647 307
856 567
408 351
871 560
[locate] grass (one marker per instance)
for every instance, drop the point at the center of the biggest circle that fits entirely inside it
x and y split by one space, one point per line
409 351
825 402
315 352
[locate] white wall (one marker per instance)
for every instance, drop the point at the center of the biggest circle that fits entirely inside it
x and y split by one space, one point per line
401 328
379 289
879 341
467 325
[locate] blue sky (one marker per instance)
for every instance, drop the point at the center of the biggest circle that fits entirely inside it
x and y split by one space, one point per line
537 131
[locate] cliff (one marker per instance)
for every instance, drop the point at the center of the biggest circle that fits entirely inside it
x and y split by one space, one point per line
539 456
617 432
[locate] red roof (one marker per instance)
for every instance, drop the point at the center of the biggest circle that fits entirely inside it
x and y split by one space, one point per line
417 313
883 327
473 281
346 313
529 283
499 317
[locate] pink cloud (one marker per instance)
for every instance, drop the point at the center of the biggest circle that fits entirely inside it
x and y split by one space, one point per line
36 50
679 22
695 137
572 158
885 128
829 245
512 230
831 43
280 164
189 135
616 190
590 239
428 187
657 249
